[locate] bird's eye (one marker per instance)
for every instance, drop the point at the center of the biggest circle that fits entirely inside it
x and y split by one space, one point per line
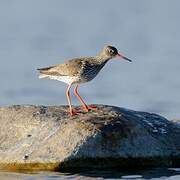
111 51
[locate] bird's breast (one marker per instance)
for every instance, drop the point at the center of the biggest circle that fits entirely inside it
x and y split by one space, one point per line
90 71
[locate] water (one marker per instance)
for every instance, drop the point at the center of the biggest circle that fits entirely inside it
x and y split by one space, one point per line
41 33
150 174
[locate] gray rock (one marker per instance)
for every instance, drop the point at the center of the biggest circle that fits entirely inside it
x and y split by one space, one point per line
48 138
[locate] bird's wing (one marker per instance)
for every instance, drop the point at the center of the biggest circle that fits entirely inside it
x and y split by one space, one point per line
69 68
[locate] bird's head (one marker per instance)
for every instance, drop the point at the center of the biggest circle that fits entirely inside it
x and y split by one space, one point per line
110 52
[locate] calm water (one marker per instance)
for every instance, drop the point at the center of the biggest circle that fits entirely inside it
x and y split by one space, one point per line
41 33
151 174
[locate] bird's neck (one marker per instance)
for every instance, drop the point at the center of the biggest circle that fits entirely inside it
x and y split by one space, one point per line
102 59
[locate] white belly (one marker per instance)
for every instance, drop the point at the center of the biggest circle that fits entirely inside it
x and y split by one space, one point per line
65 79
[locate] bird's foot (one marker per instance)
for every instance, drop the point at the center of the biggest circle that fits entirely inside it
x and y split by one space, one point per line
73 112
89 108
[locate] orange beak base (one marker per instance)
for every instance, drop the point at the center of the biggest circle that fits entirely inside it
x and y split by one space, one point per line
125 58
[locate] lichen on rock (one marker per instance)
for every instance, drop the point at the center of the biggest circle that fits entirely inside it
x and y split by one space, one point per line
47 137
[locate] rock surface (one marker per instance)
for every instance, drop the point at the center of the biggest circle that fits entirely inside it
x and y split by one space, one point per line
47 138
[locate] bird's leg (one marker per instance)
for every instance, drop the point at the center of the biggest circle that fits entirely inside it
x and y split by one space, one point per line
71 110
85 106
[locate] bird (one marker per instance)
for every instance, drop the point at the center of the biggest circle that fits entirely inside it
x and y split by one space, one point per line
80 70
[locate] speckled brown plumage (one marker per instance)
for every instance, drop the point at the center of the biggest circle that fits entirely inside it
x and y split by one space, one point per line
80 70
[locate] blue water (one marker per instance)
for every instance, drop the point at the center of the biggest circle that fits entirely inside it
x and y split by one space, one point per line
41 33
151 174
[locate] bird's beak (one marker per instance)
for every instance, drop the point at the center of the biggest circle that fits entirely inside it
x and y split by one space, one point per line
125 58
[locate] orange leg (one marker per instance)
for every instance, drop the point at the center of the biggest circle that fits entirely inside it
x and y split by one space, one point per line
85 106
71 110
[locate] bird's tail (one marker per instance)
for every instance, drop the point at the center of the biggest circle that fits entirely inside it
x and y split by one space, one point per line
43 76
43 72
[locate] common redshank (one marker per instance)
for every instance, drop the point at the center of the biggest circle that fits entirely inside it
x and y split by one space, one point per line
80 70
